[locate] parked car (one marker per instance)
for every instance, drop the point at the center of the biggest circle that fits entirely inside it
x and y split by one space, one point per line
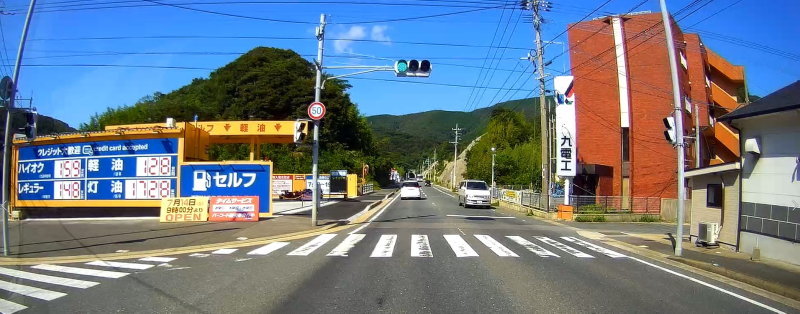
410 189
474 193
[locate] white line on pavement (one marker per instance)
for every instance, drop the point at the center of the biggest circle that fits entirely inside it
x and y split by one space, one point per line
199 255
158 259
496 247
349 242
420 247
443 192
269 248
494 217
593 247
120 265
459 246
741 297
74 283
563 247
81 271
9 307
385 246
312 245
33 292
530 246
376 215
224 251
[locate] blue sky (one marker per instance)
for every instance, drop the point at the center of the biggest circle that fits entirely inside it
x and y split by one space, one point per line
72 93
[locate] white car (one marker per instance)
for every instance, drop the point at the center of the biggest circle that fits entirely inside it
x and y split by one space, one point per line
410 189
474 193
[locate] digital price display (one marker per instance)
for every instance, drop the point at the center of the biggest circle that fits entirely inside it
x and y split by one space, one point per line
142 169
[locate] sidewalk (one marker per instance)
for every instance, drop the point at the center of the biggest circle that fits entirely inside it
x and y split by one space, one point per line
774 276
65 237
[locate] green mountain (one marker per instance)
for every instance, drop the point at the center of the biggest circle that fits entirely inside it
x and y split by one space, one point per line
411 137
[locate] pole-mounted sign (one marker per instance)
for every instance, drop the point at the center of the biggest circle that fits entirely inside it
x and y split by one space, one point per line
316 110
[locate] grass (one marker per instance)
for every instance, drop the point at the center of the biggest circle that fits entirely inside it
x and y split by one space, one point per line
590 218
650 218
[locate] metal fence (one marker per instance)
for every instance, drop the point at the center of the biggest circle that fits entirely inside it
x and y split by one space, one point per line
582 204
526 198
367 188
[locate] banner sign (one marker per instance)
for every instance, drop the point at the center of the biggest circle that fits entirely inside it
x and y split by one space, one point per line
219 179
324 183
140 169
233 208
184 209
281 183
566 139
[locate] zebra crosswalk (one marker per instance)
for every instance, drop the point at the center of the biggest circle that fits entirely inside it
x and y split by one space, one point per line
38 281
422 245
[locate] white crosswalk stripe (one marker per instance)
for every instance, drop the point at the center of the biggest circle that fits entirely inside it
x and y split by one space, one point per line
385 246
343 248
67 282
563 247
496 247
269 248
595 248
33 292
81 271
312 245
459 246
224 251
136 266
8 307
157 259
420 246
530 246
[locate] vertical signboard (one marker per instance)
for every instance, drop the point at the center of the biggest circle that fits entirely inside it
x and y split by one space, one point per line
229 179
324 183
565 127
281 183
136 169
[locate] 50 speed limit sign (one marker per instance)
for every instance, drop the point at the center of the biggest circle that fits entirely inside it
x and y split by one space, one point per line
316 110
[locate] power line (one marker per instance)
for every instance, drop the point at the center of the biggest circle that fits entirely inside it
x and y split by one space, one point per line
427 83
576 23
491 76
6 66
494 36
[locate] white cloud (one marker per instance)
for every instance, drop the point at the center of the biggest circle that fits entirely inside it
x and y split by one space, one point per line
379 33
344 45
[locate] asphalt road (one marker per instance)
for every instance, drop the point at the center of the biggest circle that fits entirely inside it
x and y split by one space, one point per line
417 256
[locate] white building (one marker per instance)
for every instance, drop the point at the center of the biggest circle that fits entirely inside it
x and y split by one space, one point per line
769 136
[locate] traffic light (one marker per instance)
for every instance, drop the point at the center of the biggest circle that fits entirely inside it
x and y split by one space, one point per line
413 68
30 124
669 133
300 131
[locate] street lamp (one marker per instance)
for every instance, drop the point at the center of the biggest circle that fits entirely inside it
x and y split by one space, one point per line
494 150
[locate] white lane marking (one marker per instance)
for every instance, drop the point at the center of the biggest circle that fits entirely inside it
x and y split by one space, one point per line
9 307
120 265
376 215
530 246
224 251
443 192
199 255
74 283
738 296
312 245
33 292
462 231
495 217
385 246
349 242
81 271
593 247
269 248
564 247
158 259
496 247
459 246
420 246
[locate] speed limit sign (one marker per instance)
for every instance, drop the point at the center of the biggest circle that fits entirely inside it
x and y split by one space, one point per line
316 110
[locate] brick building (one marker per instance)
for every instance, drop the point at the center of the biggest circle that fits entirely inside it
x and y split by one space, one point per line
623 91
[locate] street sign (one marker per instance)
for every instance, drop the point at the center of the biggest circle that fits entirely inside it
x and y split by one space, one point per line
316 110
6 88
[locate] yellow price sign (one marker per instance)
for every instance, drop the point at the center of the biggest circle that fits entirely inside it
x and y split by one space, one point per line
184 209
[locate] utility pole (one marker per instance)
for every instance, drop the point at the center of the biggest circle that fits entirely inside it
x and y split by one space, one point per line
676 102
317 95
455 155
697 158
434 165
8 135
494 151
537 6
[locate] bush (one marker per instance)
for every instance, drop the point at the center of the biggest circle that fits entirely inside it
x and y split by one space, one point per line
593 209
649 218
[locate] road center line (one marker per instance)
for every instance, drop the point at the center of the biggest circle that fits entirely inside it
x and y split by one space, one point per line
493 217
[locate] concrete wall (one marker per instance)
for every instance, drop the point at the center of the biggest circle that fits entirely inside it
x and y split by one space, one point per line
770 211
727 216
669 210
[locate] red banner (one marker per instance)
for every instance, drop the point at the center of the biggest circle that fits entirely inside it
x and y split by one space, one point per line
233 208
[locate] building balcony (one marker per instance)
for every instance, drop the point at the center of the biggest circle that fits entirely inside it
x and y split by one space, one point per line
729 140
722 98
733 72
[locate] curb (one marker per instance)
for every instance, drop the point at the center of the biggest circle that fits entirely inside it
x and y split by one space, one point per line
366 209
340 225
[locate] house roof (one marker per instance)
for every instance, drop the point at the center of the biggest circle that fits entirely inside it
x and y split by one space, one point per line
784 99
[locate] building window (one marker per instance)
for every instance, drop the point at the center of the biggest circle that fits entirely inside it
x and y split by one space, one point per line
714 195
626 144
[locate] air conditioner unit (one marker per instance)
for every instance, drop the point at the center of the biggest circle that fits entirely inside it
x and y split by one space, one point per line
707 233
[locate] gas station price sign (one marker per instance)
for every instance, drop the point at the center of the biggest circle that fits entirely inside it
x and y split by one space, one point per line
137 169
